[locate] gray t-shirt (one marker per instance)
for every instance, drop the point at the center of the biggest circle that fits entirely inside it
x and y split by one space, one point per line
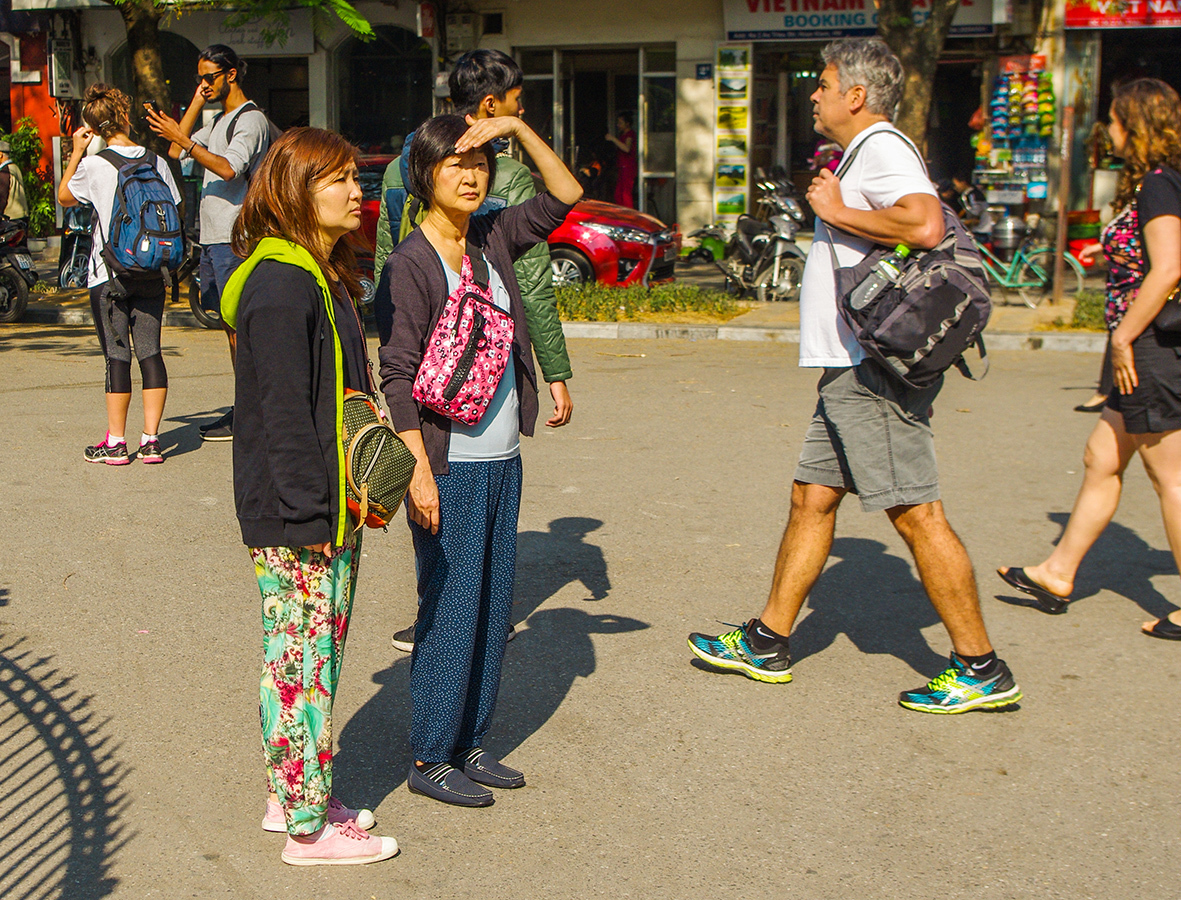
498 434
221 199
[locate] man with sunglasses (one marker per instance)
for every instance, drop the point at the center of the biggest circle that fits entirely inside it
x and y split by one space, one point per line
228 148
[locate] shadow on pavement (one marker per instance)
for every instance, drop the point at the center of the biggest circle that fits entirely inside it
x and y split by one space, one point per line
60 795
873 598
541 664
1121 562
187 438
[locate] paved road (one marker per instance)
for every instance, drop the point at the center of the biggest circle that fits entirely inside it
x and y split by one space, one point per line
129 651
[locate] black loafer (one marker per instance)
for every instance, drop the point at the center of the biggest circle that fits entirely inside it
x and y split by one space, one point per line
1042 599
444 782
482 767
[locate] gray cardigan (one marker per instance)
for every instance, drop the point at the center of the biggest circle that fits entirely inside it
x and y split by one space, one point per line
410 299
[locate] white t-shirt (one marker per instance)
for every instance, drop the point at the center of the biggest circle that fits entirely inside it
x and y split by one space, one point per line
498 434
881 175
95 182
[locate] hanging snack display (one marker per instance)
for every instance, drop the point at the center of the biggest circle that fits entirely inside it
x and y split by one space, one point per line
1021 115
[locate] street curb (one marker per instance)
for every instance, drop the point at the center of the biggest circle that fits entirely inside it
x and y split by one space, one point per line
49 315
1077 343
643 331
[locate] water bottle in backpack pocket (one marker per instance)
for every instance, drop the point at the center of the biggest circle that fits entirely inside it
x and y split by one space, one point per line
145 236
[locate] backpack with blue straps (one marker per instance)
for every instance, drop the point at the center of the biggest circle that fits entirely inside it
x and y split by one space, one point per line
145 236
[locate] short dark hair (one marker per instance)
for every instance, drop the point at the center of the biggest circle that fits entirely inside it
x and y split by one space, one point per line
433 142
479 73
224 58
628 118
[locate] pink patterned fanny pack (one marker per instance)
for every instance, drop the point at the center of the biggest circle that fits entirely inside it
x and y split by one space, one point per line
469 349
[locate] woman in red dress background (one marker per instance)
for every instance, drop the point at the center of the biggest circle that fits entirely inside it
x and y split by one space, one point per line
626 166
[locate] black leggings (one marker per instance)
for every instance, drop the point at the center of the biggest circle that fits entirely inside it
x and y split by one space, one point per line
124 322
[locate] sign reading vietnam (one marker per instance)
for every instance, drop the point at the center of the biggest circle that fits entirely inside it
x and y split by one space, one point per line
778 20
1123 13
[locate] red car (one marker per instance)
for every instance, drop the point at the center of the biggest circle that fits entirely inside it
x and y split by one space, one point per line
612 245
597 242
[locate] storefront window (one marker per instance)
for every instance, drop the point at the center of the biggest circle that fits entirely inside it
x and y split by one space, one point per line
384 88
537 62
660 59
660 107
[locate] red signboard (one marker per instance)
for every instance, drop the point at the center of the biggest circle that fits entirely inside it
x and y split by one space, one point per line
1123 13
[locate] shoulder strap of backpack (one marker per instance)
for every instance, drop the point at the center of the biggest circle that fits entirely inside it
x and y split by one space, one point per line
479 264
118 160
245 107
847 161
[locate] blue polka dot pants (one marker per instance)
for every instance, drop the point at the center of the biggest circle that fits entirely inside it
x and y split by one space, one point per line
465 601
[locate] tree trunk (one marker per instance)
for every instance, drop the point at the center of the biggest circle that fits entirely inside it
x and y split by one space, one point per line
141 18
918 48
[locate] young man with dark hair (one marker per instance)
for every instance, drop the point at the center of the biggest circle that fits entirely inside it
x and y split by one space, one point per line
486 84
229 148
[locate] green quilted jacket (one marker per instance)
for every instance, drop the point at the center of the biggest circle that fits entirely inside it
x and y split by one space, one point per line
513 185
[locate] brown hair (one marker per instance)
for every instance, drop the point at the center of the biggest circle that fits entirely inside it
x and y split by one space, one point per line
1150 113
279 200
107 110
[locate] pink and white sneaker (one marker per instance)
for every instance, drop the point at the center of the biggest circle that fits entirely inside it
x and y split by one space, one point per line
338 814
338 845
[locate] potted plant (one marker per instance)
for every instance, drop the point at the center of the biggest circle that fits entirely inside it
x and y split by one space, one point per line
26 152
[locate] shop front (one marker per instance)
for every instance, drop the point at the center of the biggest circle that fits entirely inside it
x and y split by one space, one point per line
767 70
1105 43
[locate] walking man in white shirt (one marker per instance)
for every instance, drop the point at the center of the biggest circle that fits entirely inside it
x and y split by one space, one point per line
870 434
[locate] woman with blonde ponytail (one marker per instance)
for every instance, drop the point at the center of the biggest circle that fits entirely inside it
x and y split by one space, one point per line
126 316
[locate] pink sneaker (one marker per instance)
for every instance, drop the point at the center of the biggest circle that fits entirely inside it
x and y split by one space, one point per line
338 814
338 845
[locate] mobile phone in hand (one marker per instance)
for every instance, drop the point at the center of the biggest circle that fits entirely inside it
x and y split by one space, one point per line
154 107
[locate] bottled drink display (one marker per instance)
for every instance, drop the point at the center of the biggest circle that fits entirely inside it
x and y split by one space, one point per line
887 272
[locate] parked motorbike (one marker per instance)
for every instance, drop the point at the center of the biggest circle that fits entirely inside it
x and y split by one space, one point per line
711 244
16 270
762 257
73 262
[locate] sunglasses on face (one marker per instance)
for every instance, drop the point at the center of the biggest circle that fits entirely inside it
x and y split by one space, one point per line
210 77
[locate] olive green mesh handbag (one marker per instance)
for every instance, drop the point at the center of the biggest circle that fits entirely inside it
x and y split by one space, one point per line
377 464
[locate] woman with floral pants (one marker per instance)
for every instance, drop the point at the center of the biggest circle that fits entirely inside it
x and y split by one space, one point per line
300 346
307 599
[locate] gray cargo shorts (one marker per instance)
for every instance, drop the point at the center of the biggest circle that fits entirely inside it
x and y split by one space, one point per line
872 435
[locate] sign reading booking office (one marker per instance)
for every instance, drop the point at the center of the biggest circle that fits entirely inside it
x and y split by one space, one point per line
777 20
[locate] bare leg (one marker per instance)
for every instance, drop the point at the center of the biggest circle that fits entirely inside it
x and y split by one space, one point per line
1161 454
1108 451
803 552
153 409
946 573
117 405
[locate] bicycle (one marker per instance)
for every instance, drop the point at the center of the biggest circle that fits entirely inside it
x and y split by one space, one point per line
1031 272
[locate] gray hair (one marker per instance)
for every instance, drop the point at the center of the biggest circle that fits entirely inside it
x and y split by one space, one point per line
870 63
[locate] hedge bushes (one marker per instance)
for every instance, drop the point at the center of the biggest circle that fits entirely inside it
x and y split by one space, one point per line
1088 311
602 303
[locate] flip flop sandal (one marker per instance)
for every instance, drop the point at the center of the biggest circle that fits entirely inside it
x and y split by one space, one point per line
1164 628
1042 599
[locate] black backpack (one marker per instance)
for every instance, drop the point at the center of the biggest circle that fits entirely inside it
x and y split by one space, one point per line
920 327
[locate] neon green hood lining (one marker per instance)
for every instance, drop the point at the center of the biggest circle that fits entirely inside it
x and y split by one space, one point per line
284 251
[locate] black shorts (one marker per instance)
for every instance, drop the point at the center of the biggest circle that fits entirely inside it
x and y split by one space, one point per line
1154 406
